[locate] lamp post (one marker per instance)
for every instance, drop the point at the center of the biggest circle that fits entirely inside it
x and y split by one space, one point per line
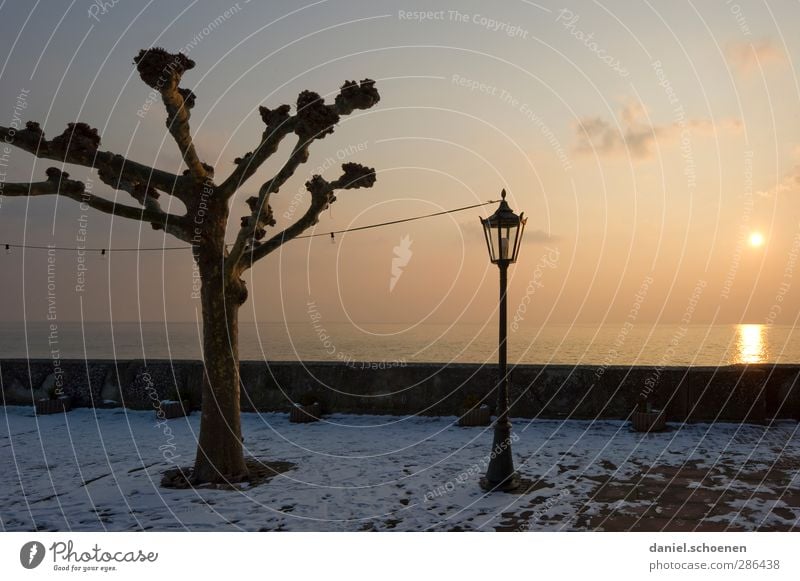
503 231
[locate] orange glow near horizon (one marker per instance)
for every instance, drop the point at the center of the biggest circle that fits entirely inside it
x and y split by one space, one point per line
751 344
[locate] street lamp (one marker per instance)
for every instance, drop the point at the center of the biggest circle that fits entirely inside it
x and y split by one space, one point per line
503 231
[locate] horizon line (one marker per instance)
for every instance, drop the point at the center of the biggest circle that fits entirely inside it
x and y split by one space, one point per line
340 322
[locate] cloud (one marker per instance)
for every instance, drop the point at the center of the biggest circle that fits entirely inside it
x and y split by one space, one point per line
747 57
538 237
790 182
634 136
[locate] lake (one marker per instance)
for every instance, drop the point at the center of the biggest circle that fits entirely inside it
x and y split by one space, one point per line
464 343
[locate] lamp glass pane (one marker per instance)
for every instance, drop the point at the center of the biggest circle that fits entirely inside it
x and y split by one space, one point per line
504 241
515 245
491 236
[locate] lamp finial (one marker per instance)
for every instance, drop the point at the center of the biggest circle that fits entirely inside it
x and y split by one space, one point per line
503 194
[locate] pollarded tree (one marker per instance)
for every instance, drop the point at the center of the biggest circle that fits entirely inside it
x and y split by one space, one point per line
220 455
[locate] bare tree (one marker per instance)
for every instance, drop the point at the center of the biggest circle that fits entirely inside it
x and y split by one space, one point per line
219 454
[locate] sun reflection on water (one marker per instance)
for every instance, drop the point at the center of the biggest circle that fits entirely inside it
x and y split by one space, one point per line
751 344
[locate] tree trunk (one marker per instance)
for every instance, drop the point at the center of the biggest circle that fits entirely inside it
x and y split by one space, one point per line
220 456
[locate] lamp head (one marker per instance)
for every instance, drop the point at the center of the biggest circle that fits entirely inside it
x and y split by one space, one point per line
503 232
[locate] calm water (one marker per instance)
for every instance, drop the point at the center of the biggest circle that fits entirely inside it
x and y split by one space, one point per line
664 345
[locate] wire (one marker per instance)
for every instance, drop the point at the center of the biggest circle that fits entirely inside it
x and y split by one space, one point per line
400 221
314 235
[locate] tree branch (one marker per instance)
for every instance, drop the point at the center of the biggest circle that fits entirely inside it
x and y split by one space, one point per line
178 124
58 183
279 125
322 195
78 145
253 227
313 120
163 71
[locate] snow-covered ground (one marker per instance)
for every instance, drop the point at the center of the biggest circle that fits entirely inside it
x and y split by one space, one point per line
100 470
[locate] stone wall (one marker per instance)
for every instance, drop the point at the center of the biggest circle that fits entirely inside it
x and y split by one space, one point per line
734 393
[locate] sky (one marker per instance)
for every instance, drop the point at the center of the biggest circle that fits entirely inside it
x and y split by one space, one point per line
646 143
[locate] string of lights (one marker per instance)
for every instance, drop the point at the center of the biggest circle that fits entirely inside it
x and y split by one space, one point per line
332 234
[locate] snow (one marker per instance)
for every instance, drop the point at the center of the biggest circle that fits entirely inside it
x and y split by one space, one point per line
100 470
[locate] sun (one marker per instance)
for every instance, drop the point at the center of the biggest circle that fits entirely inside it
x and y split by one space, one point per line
756 239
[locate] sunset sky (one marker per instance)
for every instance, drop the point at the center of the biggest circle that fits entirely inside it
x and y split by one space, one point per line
650 144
